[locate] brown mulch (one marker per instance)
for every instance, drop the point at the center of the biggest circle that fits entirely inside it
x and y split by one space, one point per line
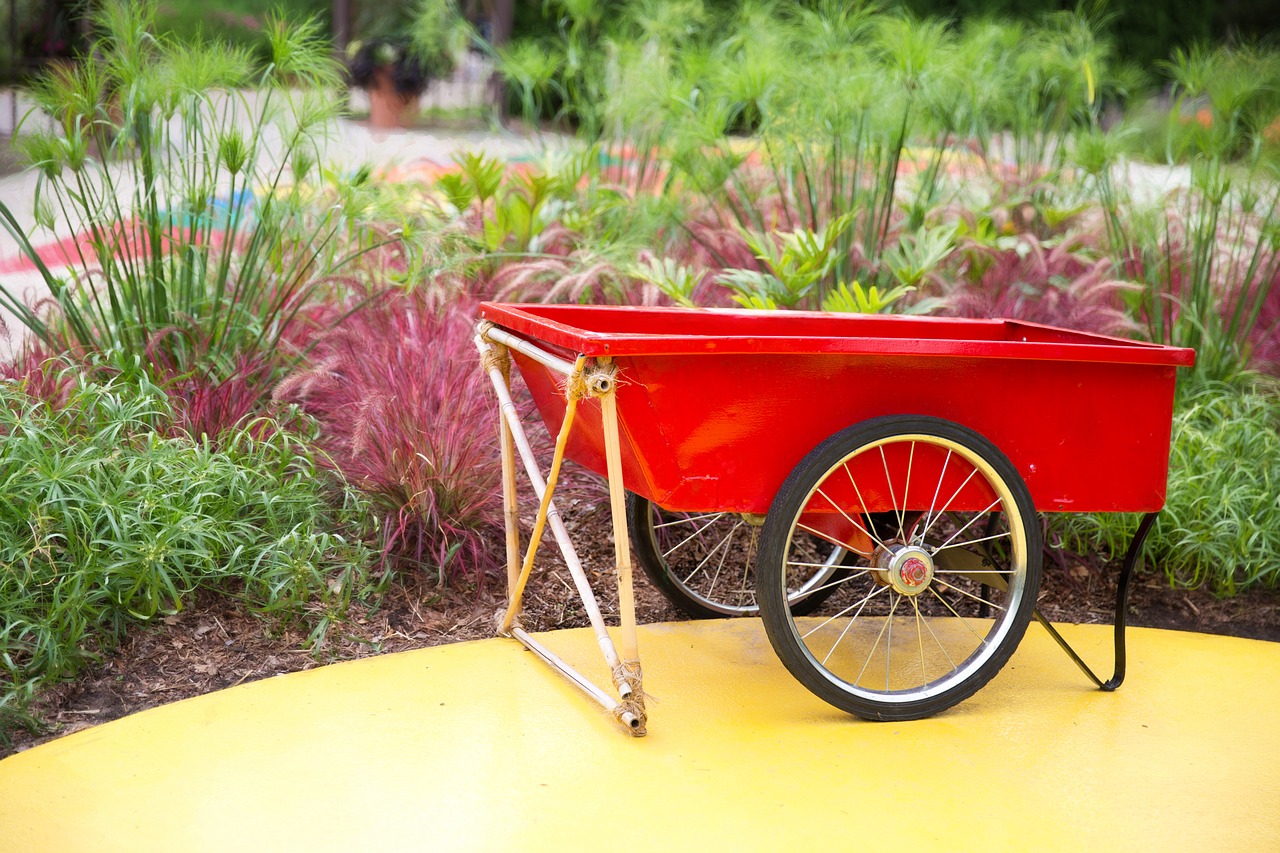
215 643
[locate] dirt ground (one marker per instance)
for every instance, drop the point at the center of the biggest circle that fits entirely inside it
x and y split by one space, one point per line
216 644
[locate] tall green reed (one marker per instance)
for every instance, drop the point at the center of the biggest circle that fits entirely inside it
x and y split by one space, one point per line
1208 254
183 170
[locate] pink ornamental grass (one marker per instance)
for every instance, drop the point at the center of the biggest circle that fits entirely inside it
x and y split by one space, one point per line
1265 338
38 374
1058 286
407 416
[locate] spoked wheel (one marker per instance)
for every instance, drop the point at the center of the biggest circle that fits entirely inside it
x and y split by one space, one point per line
704 562
946 569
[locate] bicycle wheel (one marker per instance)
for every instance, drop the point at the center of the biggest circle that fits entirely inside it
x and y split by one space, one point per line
947 553
704 562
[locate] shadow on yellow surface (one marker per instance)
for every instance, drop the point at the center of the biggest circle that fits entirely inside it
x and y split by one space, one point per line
478 746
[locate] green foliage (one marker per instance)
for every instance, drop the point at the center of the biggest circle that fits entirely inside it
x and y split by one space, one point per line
107 523
1221 523
1208 255
855 299
919 254
674 279
1146 31
238 23
796 266
437 34
532 70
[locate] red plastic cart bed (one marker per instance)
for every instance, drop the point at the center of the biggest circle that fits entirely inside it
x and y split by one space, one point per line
717 407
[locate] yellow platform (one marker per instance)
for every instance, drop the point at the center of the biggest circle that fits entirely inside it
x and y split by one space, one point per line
480 747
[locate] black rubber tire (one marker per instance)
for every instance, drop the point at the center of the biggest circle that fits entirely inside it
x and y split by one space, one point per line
648 553
985 661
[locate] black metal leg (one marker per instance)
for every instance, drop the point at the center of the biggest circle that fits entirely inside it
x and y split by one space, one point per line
1122 600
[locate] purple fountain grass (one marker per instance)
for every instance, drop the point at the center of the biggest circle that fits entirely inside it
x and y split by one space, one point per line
1059 286
407 416
206 408
1264 338
576 277
38 374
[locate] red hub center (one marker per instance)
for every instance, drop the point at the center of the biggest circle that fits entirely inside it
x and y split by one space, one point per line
914 572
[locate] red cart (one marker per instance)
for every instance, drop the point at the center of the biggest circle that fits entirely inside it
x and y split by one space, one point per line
869 485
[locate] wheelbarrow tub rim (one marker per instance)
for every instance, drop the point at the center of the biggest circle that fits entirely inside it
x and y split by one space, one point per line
611 330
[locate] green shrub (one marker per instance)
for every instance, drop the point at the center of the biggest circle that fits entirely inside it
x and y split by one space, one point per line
1221 522
105 523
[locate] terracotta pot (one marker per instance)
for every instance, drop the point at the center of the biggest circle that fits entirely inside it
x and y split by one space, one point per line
387 107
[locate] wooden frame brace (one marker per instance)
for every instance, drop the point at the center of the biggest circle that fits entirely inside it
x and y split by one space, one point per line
594 379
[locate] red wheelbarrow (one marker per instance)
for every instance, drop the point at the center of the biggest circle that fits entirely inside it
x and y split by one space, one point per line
868 485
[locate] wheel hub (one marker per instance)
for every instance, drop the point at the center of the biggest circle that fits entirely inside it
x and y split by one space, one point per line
907 568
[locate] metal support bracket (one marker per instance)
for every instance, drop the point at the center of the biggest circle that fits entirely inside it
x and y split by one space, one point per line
1122 599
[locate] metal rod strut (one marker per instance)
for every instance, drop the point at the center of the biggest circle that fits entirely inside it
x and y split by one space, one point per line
1122 600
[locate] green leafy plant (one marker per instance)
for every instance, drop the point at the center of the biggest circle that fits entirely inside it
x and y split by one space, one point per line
855 299
1221 522
532 70
797 264
677 281
107 523
917 255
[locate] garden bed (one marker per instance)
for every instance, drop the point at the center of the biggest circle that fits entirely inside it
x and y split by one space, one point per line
216 644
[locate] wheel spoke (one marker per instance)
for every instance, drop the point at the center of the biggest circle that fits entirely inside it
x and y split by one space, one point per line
888 641
906 491
954 495
803 565
888 478
828 538
941 647
724 555
688 519
839 581
850 519
977 598
722 543
857 604
970 523
969 542
871 534
848 625
928 517
694 535
876 644
947 604
924 672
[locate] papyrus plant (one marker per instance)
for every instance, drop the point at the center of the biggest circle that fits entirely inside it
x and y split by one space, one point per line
180 170
1208 254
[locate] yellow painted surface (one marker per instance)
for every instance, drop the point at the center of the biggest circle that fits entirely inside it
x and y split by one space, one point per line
479 747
